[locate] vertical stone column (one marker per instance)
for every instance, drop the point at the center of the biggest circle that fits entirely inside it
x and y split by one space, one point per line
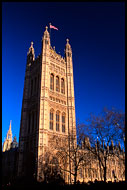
70 102
70 89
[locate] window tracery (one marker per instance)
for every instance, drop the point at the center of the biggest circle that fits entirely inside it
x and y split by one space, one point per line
62 86
57 84
63 122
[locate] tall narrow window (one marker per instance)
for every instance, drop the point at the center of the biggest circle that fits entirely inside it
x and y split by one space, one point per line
57 84
62 86
52 82
63 122
51 119
57 121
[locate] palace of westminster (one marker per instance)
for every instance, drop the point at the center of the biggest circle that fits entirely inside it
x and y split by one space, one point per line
48 111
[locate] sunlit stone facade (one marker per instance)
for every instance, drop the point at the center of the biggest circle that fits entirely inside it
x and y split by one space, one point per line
92 171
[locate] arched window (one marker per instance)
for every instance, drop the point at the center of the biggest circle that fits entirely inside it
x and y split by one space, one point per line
57 120
62 86
52 82
57 84
63 122
51 119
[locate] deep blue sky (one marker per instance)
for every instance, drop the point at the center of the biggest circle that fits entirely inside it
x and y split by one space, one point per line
97 36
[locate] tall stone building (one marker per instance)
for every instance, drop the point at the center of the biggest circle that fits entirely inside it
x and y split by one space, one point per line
48 106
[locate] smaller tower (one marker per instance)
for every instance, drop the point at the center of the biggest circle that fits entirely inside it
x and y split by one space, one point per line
31 54
8 140
14 144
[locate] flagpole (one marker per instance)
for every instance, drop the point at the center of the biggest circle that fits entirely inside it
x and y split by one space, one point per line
50 33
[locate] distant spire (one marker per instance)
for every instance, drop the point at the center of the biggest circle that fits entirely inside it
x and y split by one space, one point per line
9 133
8 140
10 126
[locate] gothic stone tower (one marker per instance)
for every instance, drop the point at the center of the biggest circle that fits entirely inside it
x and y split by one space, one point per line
48 105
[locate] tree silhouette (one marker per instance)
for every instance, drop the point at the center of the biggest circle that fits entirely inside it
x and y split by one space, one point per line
102 131
72 158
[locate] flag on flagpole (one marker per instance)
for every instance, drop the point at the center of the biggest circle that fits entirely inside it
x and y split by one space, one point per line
51 26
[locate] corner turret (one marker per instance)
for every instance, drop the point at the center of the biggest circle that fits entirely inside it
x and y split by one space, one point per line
68 51
46 39
30 54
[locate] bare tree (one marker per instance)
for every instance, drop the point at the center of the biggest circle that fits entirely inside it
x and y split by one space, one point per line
73 156
102 131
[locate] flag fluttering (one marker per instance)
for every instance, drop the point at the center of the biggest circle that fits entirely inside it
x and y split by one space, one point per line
51 26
